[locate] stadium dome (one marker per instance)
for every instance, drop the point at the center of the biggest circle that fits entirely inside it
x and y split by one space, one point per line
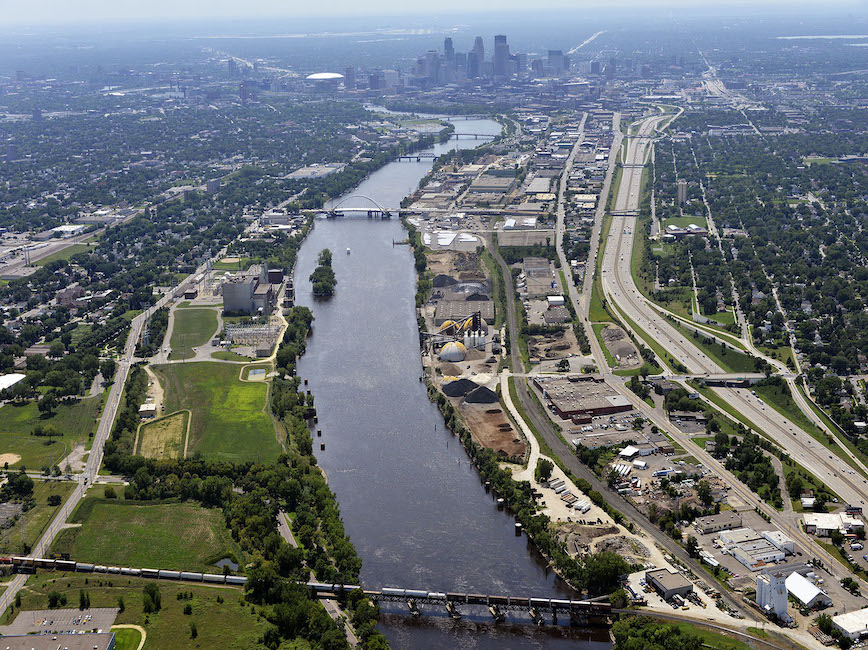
453 352
324 76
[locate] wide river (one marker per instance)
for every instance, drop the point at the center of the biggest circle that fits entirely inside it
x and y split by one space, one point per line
412 504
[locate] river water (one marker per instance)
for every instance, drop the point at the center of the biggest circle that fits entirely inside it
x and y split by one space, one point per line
412 504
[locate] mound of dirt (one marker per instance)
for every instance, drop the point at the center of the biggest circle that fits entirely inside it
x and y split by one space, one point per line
482 395
443 280
610 333
450 370
474 355
459 387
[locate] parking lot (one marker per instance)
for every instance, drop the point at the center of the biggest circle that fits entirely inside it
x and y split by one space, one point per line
61 621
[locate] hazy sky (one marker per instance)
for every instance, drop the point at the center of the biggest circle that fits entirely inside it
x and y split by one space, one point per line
93 11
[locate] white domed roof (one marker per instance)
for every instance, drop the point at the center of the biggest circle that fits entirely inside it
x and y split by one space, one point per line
453 352
324 76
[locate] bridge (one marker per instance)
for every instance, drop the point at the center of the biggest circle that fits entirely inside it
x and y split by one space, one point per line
417 157
475 136
584 611
376 211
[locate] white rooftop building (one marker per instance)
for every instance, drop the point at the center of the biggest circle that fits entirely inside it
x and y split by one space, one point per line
852 624
7 381
806 592
823 523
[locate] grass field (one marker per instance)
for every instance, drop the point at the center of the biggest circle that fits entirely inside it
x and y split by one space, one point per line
74 420
240 265
729 360
127 638
65 254
229 355
160 535
228 625
192 328
32 523
713 639
228 418
683 222
163 438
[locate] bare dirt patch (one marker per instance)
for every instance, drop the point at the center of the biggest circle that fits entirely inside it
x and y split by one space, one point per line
624 546
557 345
491 428
579 537
621 347
456 264
9 458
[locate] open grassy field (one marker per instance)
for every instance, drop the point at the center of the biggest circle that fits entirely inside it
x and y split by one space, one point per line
32 523
65 254
229 421
683 222
159 535
163 438
229 355
75 420
228 625
713 639
192 328
127 638
235 263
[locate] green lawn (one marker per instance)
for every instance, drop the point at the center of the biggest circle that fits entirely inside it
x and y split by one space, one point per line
181 536
598 329
228 624
31 524
240 265
192 328
75 420
729 360
65 254
683 222
229 419
229 355
127 638
713 639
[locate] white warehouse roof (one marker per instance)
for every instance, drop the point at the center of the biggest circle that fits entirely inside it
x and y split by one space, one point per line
803 590
7 381
853 624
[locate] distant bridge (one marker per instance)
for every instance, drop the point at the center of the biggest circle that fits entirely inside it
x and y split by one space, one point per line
417 157
376 211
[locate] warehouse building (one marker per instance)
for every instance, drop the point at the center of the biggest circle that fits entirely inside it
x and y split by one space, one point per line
568 398
823 523
853 625
249 292
90 641
715 523
668 584
806 592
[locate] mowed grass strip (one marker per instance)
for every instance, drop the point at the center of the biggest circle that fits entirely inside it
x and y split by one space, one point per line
153 535
163 438
192 328
74 419
230 624
228 416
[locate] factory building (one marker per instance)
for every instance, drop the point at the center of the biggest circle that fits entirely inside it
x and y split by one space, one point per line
853 625
568 399
715 523
668 584
771 594
249 292
823 523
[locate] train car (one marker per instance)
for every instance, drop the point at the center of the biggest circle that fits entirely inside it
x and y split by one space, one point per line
150 573
127 571
415 593
560 603
319 586
213 577
437 594
480 599
236 580
84 567
64 565
539 602
113 569
498 600
169 575
43 563
389 591
195 577
18 560
456 598
99 568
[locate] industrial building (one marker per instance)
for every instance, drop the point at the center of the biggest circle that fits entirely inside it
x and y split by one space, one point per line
668 584
91 641
249 292
823 523
853 625
750 548
771 594
806 592
715 523
568 398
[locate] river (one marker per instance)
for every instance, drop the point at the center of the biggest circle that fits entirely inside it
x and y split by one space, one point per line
414 507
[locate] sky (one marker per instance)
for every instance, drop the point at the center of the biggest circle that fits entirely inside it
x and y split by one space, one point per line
45 12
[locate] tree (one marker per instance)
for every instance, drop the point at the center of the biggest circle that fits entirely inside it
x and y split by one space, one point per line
151 601
602 571
107 369
83 599
121 605
544 468
703 491
824 622
54 500
47 404
692 546
619 599
324 258
110 493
